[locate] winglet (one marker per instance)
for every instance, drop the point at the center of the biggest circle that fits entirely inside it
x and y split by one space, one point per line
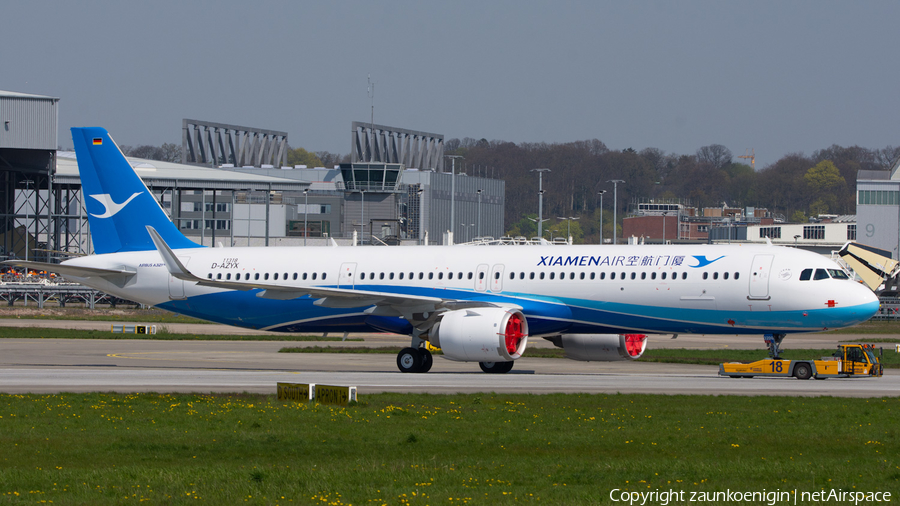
173 264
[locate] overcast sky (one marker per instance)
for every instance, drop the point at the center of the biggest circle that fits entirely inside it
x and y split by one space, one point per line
779 76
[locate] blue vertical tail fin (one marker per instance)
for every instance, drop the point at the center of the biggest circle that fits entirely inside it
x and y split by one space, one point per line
118 203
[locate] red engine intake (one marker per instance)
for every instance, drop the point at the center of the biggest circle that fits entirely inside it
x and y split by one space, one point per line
488 334
602 347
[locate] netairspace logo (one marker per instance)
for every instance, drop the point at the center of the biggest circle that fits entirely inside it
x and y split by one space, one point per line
771 498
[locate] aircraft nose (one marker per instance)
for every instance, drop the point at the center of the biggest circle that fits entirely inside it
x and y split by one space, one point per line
865 300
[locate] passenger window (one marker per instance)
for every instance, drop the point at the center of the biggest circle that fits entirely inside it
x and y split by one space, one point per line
806 274
522 275
470 275
602 275
643 275
621 275
737 275
295 276
458 275
380 275
219 275
266 276
228 276
542 275
450 275
430 275
612 275
247 277
705 275
324 275
572 275
276 277
724 275
652 275
633 275
401 275
256 276
480 275
314 276
422 275
582 275
820 274
683 275
664 275
512 275
440 275
284 277
592 275
531 276
552 275
496 275
391 276
304 276
715 275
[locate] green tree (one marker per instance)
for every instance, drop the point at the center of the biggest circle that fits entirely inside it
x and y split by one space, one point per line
824 181
301 156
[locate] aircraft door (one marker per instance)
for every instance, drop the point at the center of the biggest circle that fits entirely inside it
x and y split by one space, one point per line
759 277
176 286
481 278
497 278
347 276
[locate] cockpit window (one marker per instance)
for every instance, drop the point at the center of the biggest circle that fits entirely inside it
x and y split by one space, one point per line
806 274
820 274
838 274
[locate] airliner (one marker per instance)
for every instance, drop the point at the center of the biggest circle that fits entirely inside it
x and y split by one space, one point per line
476 303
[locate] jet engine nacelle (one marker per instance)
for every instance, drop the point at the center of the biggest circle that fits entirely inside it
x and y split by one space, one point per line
485 334
602 347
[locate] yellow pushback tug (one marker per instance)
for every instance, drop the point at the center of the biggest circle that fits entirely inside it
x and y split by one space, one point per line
849 361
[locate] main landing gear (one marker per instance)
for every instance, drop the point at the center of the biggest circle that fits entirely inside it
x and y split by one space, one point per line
773 342
420 360
414 360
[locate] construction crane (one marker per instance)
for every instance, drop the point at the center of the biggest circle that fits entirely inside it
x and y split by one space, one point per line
751 155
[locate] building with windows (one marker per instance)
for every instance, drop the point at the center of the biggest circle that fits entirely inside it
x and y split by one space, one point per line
878 208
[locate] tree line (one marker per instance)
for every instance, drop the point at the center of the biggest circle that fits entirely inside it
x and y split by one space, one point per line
795 187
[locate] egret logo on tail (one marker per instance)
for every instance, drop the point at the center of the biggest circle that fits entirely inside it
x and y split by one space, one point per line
110 207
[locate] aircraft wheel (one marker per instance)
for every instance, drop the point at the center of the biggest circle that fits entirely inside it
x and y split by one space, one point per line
409 360
802 371
496 367
427 360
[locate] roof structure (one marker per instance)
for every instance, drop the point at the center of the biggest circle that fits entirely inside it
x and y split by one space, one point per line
158 173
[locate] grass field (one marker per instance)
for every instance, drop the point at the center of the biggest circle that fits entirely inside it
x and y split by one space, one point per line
429 449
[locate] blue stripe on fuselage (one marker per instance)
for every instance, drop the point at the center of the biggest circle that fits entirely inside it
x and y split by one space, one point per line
545 315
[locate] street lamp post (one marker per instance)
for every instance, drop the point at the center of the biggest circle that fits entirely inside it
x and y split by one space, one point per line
453 192
615 183
664 226
568 226
540 200
601 192
362 219
479 192
305 214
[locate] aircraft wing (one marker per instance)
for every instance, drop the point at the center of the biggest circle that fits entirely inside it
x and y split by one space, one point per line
385 303
70 270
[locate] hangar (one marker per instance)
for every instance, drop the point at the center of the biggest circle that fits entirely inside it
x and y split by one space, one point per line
236 189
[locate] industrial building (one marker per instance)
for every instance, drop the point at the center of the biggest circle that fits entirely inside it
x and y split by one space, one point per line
236 189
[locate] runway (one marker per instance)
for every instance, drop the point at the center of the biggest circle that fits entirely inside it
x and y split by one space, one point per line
79 365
